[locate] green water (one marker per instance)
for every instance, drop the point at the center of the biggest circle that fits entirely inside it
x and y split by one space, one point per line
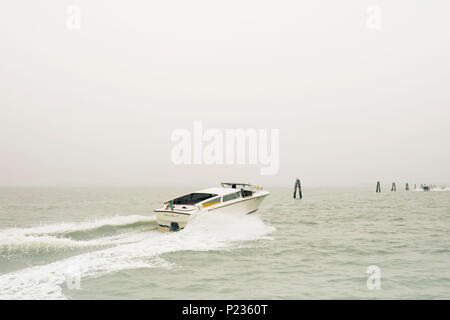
316 248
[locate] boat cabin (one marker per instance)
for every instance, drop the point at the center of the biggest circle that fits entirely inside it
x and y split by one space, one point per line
212 196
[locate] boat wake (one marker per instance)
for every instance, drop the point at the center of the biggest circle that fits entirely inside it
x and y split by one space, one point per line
140 248
53 238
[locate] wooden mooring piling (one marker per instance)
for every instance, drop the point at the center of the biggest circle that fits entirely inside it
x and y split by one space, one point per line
394 187
378 187
298 187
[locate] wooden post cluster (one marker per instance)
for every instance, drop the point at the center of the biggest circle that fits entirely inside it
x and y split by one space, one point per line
394 186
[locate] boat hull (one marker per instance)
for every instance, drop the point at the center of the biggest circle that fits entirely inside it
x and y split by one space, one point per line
171 220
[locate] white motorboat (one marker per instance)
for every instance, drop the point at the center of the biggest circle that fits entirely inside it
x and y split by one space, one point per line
230 198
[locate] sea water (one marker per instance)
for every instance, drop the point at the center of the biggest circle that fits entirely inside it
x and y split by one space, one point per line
335 243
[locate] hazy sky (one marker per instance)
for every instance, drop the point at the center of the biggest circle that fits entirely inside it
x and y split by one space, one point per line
97 105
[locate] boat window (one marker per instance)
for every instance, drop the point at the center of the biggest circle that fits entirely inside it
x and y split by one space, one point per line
193 198
232 196
247 193
211 202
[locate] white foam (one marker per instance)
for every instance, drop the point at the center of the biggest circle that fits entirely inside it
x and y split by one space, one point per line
79 226
19 245
41 239
205 232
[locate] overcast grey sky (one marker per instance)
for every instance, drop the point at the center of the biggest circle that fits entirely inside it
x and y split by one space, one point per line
97 105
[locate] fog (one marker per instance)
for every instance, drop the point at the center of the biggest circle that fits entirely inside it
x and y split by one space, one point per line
356 97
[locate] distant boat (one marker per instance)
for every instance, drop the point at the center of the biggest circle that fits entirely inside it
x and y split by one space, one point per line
426 188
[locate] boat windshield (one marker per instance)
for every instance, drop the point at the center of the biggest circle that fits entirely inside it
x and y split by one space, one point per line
238 186
193 198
